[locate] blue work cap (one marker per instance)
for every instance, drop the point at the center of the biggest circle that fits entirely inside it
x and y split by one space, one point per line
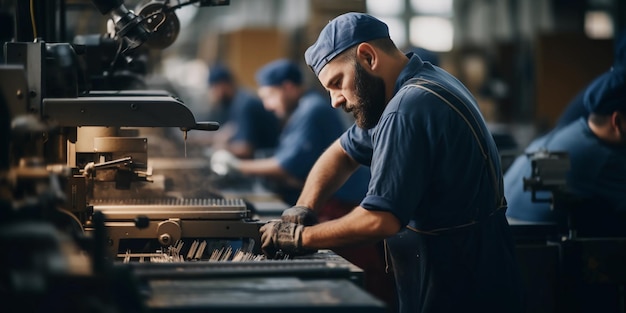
219 73
277 72
343 32
607 93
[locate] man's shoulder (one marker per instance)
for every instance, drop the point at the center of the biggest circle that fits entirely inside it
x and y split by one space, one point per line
434 81
575 134
427 79
415 96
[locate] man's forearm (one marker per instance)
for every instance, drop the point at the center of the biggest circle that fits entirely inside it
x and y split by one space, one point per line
330 172
360 226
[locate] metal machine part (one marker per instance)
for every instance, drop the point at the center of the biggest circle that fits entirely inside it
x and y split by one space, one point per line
14 89
29 56
128 25
549 178
260 294
164 24
166 221
157 109
548 173
322 264
67 118
308 281
130 111
116 159
155 23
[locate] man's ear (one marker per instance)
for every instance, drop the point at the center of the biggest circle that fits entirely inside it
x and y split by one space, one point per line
617 119
367 55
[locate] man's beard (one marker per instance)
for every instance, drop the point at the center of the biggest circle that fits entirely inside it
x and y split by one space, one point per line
370 91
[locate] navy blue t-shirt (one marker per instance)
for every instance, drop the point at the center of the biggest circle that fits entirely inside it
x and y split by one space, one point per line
254 124
435 165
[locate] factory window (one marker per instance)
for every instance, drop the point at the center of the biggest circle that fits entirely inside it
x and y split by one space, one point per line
435 7
397 30
598 25
417 23
432 33
385 8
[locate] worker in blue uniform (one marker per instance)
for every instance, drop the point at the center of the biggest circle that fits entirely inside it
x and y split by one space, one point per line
436 190
310 126
596 147
246 127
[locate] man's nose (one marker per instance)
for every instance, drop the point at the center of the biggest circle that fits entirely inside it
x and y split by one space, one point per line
337 100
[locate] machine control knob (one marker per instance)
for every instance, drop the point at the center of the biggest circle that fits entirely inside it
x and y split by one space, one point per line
165 239
169 232
142 221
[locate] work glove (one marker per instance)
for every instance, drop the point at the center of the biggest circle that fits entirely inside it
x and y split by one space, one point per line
300 215
286 237
223 162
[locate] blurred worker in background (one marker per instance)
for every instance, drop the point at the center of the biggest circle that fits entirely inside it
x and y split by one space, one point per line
593 203
596 146
310 126
436 188
246 127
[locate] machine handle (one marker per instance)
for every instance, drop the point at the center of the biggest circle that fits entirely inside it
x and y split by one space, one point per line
202 126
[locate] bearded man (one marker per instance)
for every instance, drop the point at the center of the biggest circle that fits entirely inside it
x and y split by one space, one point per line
435 193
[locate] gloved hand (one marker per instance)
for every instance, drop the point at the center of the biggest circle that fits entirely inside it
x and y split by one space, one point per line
277 235
223 162
89 169
299 215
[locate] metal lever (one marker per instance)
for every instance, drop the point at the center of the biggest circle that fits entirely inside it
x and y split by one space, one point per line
203 126
112 163
91 167
208 126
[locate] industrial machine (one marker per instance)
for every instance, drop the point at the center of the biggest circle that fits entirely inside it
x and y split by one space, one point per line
80 234
579 265
88 133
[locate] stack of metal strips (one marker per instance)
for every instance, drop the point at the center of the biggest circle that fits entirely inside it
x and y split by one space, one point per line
195 253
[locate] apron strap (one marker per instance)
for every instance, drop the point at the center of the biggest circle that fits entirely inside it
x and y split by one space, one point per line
499 200
444 230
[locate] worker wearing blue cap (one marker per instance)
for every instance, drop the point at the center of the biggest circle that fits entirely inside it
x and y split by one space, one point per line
247 128
596 147
310 127
435 194
593 201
